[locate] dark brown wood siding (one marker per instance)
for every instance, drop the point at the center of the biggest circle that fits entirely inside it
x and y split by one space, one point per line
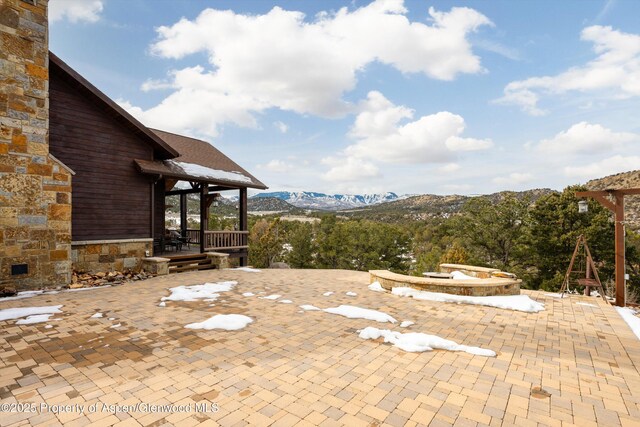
159 197
110 198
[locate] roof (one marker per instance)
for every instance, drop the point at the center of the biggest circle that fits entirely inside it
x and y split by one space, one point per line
198 161
162 150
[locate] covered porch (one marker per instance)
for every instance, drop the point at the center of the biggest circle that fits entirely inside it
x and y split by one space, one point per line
200 170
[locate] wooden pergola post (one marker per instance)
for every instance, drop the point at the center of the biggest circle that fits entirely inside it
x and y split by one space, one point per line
243 220
204 191
183 215
617 207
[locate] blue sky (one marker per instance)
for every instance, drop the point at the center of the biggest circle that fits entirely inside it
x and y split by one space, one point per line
434 97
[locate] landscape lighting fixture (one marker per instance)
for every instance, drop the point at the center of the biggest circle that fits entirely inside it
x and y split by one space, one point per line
583 206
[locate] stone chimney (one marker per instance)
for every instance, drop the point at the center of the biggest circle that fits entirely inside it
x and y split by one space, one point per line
35 188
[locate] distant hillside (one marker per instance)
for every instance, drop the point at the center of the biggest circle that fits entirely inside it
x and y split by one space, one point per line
272 204
622 180
431 206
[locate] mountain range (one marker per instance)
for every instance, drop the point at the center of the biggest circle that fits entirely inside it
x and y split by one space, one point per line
328 202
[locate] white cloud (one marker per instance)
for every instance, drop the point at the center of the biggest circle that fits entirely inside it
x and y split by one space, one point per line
513 179
608 166
75 10
281 60
613 73
282 127
278 166
429 139
586 138
349 169
449 167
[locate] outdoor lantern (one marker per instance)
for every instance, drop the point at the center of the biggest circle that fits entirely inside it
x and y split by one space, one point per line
583 206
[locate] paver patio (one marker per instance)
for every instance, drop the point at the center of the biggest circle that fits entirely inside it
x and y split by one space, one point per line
310 368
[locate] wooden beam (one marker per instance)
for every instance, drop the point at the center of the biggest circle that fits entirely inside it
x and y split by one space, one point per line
243 220
204 191
600 196
620 255
212 189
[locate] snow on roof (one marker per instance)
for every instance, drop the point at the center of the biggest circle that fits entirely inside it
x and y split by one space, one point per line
209 291
353 312
510 302
632 320
419 342
228 322
17 313
200 171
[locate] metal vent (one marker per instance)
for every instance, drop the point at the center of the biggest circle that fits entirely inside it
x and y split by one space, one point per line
17 269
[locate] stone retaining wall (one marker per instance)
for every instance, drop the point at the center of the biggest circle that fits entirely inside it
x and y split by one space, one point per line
110 255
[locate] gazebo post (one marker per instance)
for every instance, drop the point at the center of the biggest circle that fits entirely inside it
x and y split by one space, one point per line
244 224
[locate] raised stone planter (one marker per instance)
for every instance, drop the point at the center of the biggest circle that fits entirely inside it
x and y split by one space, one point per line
480 287
156 265
219 259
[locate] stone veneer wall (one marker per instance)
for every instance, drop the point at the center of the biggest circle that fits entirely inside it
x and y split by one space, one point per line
35 188
110 255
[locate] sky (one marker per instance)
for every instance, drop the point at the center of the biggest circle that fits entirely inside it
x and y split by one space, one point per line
413 97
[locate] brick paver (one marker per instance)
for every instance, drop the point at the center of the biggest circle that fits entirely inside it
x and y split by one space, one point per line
571 364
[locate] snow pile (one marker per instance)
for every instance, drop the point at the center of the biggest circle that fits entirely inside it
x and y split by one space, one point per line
162 304
245 269
586 304
459 275
271 297
17 313
632 320
87 289
509 302
38 318
419 342
96 316
353 312
309 307
248 294
22 295
326 294
228 322
376 287
351 294
286 301
209 291
406 324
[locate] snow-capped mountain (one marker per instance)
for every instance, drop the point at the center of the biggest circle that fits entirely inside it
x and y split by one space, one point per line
313 200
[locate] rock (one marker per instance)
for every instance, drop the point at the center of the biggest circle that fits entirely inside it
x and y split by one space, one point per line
76 286
279 265
7 291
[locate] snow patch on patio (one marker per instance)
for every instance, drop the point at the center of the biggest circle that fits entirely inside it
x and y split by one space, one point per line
228 322
509 302
309 307
271 297
286 301
406 324
207 291
353 312
376 287
38 318
351 294
17 313
586 304
419 342
87 289
629 316
22 295
96 316
248 294
326 294
245 269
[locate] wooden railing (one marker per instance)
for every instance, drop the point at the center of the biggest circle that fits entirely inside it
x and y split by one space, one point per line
215 240
194 236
